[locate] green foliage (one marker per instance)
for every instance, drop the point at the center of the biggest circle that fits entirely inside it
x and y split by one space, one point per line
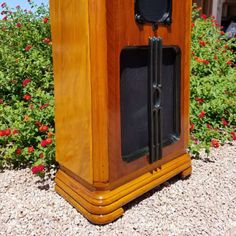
26 88
213 85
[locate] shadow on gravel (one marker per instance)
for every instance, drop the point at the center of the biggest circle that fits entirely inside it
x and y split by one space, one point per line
204 159
166 184
44 187
43 184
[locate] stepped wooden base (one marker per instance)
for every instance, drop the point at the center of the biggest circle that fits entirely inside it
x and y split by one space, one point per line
101 207
186 173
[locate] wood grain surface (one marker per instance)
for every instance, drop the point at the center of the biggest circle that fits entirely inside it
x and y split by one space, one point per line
88 37
72 69
123 31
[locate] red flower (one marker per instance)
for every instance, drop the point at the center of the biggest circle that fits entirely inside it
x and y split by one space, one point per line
202 114
37 123
215 143
222 32
193 25
18 7
18 25
41 155
25 82
18 151
229 62
202 43
208 126
15 131
41 167
50 134
224 122
28 47
27 97
37 169
43 143
43 128
200 100
44 106
3 4
46 142
4 18
204 16
191 126
45 20
7 132
30 149
198 59
215 57
49 140
233 135
46 40
2 133
1 101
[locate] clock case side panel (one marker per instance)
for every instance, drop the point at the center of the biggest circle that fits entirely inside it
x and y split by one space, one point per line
72 77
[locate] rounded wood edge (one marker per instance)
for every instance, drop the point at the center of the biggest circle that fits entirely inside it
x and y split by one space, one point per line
106 197
111 202
93 218
186 173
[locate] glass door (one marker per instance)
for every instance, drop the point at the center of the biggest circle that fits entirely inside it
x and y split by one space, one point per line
150 99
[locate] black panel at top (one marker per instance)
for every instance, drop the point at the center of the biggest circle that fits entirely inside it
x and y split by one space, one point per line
153 11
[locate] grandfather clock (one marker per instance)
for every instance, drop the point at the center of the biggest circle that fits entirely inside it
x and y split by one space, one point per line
121 72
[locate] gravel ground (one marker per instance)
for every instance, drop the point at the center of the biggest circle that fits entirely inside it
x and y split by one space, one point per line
204 204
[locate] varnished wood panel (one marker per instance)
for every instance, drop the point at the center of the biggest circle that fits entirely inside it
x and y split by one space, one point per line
98 38
88 36
123 31
71 55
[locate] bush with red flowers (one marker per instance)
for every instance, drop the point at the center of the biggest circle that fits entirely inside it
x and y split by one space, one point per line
26 88
212 51
213 85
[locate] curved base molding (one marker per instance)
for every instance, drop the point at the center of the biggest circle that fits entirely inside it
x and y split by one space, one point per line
102 207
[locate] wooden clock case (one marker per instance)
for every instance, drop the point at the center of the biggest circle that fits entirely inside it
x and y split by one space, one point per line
88 38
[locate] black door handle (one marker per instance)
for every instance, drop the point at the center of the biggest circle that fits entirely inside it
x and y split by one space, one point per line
154 99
